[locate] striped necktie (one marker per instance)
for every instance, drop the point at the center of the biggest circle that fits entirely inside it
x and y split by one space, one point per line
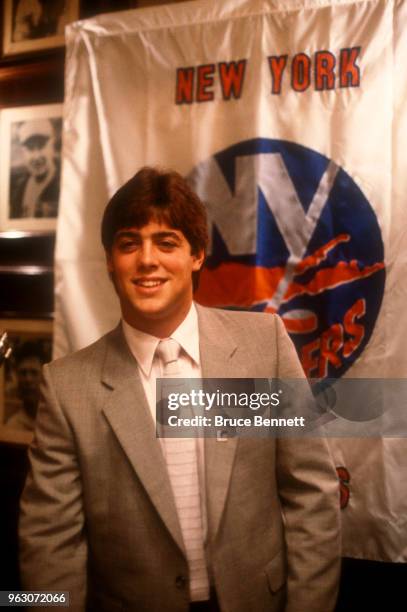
182 465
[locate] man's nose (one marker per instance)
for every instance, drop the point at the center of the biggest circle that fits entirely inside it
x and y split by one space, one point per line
147 255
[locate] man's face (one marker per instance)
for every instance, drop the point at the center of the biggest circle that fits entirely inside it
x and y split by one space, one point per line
151 269
29 377
38 153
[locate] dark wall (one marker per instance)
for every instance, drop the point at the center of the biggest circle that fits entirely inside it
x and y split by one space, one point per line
13 469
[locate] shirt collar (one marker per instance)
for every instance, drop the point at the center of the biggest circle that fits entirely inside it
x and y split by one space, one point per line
143 346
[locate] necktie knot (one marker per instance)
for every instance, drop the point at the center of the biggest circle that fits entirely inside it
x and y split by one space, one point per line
168 351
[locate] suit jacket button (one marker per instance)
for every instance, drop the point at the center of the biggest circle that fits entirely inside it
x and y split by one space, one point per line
180 582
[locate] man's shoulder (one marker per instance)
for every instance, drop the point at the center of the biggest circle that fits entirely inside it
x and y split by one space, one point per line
261 338
89 357
238 318
18 180
19 174
20 419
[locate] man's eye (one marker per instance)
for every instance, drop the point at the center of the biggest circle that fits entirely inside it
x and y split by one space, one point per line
167 244
126 245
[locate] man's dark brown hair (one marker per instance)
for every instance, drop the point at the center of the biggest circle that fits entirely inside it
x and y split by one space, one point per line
156 195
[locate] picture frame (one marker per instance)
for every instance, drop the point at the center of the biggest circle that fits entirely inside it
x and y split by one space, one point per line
35 25
30 160
21 376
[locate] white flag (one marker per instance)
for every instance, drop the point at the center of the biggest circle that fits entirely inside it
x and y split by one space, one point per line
289 120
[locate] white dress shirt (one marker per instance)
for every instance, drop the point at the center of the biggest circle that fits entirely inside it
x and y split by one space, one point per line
143 347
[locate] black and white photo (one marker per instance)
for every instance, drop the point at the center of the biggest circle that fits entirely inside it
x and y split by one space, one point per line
35 168
21 374
30 167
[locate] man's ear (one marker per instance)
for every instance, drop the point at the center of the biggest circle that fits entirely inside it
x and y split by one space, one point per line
109 264
198 260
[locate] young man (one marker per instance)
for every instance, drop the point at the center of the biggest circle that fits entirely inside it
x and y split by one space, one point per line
127 521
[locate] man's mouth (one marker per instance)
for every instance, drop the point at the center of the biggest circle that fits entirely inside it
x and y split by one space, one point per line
148 283
39 164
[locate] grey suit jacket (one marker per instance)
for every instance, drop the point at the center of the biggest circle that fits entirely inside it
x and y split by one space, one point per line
98 517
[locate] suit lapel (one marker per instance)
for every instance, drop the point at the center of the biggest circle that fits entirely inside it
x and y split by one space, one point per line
217 350
129 416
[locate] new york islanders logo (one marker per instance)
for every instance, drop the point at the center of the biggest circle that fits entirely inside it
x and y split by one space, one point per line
292 233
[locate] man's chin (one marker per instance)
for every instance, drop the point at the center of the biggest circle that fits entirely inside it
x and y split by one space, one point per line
40 176
152 313
144 312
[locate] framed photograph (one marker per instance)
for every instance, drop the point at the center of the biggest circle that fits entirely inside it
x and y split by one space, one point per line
21 376
33 25
30 162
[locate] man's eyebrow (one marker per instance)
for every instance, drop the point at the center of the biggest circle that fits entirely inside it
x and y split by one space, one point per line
167 234
126 234
156 235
